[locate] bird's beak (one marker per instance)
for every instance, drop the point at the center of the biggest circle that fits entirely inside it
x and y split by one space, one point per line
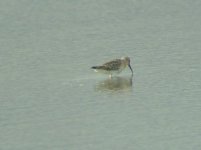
130 68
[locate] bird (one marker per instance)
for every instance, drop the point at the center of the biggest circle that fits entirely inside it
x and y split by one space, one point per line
115 66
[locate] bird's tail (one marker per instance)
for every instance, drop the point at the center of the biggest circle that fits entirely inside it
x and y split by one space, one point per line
96 67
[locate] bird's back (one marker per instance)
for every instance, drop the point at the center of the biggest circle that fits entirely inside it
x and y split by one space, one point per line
112 65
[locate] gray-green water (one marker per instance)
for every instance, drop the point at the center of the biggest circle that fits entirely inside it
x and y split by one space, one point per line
50 99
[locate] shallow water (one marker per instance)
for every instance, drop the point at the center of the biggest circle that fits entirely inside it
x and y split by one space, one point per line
51 99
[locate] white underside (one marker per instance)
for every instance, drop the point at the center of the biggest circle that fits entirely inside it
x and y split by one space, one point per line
109 72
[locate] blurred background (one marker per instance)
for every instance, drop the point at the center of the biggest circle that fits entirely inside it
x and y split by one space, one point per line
51 99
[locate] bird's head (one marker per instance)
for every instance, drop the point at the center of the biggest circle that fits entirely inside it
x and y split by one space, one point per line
127 61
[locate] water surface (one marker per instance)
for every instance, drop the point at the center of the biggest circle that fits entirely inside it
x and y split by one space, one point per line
51 99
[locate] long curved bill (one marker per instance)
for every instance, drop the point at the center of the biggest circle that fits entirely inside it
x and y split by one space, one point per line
130 68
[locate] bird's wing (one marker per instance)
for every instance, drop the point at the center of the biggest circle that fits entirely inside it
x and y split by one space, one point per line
112 65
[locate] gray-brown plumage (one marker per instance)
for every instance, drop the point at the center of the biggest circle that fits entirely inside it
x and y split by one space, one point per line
114 66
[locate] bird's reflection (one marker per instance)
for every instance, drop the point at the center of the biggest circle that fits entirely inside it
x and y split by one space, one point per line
115 84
